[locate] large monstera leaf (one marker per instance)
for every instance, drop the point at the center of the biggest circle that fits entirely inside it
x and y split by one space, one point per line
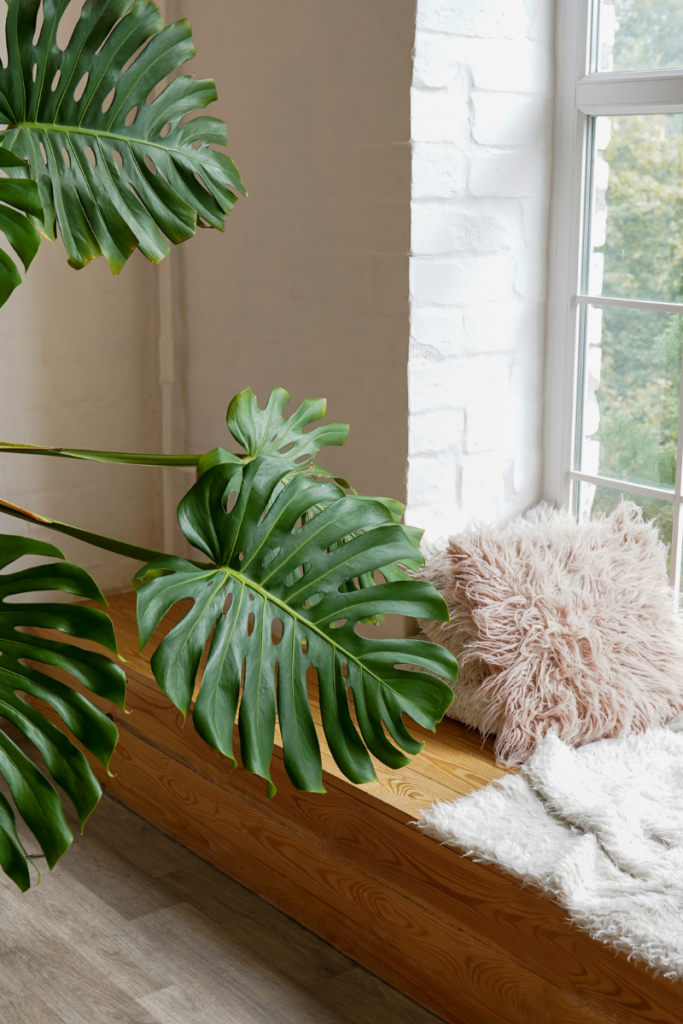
115 167
34 796
18 201
273 603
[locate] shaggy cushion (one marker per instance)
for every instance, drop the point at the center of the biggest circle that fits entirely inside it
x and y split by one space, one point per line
560 627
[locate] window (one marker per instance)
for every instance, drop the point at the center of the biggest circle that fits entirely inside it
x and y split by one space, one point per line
614 415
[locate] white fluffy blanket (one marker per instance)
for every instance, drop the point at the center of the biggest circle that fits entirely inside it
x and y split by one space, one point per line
598 828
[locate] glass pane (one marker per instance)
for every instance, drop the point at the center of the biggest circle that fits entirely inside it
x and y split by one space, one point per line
631 385
593 500
635 219
638 35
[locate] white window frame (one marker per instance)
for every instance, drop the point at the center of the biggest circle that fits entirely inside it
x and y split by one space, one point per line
580 95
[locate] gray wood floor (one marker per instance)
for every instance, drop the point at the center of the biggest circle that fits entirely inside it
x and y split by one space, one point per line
131 928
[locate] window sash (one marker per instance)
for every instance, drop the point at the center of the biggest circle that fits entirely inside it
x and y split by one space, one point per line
581 96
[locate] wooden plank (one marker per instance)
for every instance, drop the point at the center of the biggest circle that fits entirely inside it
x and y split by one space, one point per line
384 930
349 866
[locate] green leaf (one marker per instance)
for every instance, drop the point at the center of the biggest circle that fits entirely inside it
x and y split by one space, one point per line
89 455
267 432
98 540
18 200
21 655
277 567
116 168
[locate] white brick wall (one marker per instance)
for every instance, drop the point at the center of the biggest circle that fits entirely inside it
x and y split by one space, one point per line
481 130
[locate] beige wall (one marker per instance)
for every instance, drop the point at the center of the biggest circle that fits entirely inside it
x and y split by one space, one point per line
308 287
78 369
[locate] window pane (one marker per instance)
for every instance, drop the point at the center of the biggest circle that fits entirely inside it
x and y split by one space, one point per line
631 385
593 500
635 219
637 35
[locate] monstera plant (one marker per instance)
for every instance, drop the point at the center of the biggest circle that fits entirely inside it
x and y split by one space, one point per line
292 564
290 558
97 145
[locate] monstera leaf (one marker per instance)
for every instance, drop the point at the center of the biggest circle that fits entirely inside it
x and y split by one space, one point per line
33 794
259 431
267 432
17 200
115 167
274 603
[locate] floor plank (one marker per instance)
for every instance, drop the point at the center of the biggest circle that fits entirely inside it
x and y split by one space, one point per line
132 928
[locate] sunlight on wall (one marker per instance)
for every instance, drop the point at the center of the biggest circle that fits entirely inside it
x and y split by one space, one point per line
481 128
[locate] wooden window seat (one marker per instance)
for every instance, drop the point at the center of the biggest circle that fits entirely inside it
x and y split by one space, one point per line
464 940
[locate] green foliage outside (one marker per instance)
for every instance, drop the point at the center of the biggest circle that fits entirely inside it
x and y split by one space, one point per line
650 34
641 350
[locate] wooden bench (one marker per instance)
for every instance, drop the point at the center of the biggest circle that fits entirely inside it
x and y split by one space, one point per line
464 940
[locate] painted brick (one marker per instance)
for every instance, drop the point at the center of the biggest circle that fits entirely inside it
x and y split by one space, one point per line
508 119
466 226
479 240
490 19
431 480
436 430
517 174
505 65
438 333
453 282
441 115
439 170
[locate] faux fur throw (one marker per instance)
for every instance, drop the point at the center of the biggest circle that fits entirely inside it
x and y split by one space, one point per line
598 829
560 627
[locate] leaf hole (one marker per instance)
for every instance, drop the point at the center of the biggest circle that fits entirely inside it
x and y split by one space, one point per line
315 599
68 22
108 100
131 115
273 438
196 145
287 448
90 153
232 499
42 150
345 670
80 88
210 583
304 645
40 18
301 459
135 55
338 623
250 623
67 158
276 631
243 555
227 603
165 130
251 597
201 181
34 73
118 159
150 163
55 80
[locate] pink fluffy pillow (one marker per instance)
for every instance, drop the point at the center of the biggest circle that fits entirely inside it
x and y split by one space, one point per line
560 626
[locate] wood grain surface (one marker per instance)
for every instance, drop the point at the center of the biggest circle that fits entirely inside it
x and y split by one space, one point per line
466 941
